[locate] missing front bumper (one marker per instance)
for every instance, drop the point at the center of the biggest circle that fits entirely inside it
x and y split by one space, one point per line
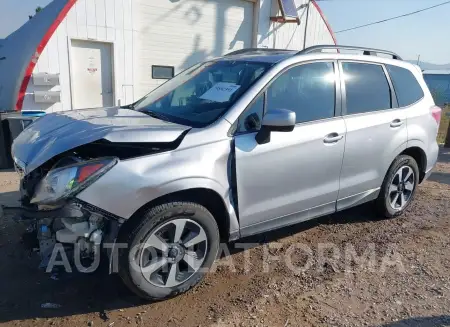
75 226
29 214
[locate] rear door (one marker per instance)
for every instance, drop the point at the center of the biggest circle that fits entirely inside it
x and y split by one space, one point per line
376 131
295 176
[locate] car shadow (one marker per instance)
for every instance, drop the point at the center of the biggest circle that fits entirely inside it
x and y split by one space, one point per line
444 155
9 198
443 178
363 213
437 321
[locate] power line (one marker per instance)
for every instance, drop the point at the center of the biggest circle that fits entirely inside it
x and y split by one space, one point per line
392 18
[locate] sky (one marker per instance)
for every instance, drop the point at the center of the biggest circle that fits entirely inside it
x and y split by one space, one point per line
426 33
14 13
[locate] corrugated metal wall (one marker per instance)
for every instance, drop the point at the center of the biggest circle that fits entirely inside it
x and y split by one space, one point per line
183 33
291 35
163 32
99 20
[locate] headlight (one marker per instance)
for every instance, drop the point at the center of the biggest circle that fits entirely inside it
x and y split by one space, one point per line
64 182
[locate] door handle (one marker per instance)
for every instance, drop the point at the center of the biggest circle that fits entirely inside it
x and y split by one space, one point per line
332 138
396 123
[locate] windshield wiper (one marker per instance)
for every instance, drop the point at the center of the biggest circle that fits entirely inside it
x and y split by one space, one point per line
156 115
129 106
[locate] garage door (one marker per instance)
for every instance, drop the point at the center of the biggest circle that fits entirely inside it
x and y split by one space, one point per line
182 33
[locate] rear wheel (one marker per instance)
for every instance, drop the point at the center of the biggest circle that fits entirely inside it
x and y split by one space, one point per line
170 250
398 187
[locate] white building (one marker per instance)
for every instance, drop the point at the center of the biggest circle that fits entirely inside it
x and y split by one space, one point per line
91 53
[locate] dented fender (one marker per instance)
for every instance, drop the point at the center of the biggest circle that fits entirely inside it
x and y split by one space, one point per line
57 133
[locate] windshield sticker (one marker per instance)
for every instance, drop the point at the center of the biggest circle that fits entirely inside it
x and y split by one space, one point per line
220 92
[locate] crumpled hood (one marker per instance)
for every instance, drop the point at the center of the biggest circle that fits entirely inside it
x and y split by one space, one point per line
56 133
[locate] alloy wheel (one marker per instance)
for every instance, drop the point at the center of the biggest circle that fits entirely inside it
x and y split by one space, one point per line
401 188
172 253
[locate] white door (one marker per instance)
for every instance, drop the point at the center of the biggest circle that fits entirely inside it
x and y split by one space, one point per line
91 64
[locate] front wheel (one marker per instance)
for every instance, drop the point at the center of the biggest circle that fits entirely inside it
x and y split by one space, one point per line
169 250
399 187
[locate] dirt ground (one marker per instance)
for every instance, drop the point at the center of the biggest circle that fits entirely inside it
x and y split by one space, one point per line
408 283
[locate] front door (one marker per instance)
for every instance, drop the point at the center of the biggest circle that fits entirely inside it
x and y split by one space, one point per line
91 70
295 176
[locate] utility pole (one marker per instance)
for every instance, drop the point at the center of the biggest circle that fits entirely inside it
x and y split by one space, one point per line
306 24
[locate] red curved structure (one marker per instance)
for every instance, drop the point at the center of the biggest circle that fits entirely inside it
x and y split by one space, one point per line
325 20
29 71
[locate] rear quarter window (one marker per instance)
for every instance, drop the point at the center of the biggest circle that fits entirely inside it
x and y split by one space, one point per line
407 88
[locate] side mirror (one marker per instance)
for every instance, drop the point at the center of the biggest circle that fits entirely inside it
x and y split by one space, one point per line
278 120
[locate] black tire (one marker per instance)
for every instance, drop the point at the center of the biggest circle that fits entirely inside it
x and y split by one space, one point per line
151 220
383 202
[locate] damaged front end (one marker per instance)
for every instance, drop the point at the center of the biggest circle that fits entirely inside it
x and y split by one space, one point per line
60 155
53 215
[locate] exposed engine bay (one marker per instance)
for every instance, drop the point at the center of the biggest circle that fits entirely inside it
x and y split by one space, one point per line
81 231
78 226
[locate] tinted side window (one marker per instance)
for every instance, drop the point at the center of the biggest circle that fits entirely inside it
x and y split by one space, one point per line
250 119
406 86
367 88
308 90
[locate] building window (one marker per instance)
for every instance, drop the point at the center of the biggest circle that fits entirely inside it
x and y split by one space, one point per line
162 72
288 8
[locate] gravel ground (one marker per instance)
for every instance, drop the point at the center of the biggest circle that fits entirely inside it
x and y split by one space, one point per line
358 271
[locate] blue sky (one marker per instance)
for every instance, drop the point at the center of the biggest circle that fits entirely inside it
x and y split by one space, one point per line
426 33
14 13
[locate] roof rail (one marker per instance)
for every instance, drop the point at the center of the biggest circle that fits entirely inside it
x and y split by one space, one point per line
366 51
255 50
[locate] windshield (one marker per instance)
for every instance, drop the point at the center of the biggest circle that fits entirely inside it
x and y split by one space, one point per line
439 85
201 94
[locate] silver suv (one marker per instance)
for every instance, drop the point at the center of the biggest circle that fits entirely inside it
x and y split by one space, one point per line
242 144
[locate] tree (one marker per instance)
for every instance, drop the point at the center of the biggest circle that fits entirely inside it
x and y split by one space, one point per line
37 10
